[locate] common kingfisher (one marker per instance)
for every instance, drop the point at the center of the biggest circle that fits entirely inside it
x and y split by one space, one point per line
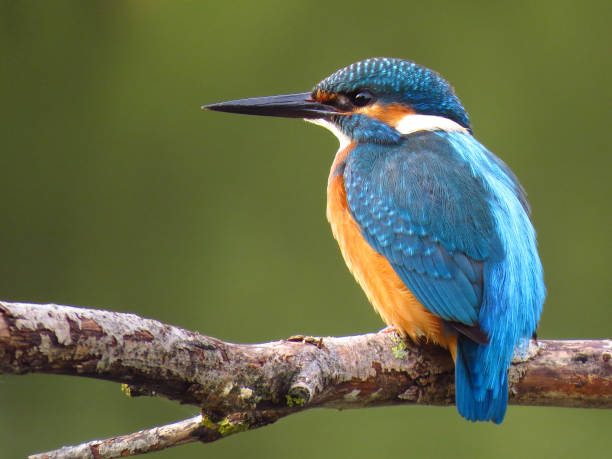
435 228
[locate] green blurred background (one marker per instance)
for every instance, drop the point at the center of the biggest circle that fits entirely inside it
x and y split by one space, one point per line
118 192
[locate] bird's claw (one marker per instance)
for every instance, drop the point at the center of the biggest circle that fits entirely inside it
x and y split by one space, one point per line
389 329
314 340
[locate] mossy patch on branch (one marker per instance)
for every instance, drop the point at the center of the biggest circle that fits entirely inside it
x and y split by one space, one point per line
294 401
125 388
206 422
227 427
399 350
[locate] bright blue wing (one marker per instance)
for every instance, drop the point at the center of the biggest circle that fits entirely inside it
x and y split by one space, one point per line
420 205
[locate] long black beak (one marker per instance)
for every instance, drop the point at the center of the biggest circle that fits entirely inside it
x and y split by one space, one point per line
286 106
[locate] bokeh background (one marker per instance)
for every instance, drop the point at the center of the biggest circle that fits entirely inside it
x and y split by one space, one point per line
117 192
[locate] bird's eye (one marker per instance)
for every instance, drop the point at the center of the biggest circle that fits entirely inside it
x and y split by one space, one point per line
363 98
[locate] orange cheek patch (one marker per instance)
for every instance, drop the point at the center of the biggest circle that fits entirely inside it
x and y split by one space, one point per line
390 114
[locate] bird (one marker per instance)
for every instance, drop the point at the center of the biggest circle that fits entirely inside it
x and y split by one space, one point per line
434 227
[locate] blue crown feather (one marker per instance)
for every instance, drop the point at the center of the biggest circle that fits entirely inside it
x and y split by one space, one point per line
397 80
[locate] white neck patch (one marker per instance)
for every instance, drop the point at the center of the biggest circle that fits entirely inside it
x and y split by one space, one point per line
406 125
342 137
414 123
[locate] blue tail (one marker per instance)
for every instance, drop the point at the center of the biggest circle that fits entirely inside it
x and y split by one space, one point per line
475 401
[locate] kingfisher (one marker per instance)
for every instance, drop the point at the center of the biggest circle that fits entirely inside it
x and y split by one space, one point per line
434 227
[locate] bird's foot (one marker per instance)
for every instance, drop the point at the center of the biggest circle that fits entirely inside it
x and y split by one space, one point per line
389 329
314 340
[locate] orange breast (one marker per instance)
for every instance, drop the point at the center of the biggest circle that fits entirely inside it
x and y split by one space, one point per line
386 291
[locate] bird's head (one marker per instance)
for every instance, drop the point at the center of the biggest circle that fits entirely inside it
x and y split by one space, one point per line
376 100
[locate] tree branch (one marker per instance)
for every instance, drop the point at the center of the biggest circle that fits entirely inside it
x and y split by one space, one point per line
244 386
143 441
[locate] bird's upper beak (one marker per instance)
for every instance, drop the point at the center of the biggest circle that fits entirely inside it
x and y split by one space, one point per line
287 106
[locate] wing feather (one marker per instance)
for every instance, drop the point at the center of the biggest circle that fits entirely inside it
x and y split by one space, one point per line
420 206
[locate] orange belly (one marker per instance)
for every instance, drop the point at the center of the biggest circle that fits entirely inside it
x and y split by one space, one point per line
386 291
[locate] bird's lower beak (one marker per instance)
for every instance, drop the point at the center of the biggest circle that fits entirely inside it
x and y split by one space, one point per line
286 106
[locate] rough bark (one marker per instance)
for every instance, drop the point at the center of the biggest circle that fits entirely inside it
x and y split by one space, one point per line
243 386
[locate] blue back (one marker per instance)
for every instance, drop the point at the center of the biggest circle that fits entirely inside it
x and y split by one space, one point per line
453 221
